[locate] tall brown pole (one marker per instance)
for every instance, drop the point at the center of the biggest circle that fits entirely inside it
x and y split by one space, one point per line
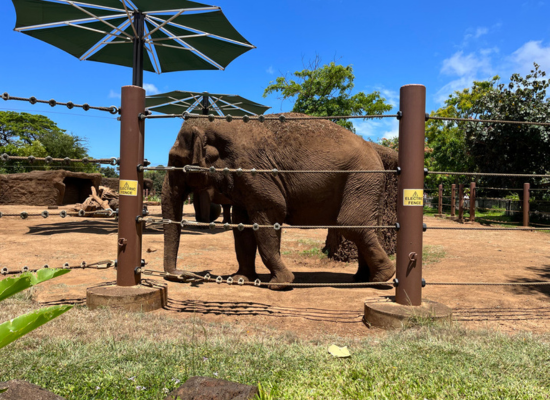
472 201
132 135
453 200
526 187
440 202
410 195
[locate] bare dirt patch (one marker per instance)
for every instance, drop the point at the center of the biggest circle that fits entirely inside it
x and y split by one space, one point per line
459 256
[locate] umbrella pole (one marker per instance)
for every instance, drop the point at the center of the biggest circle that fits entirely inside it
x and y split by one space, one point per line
139 47
205 104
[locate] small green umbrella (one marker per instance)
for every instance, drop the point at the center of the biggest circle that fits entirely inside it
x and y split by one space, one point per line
178 102
176 35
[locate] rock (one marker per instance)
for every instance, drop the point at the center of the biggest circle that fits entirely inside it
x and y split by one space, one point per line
21 390
47 188
204 388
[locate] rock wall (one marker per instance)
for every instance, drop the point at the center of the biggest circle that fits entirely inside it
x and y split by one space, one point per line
47 188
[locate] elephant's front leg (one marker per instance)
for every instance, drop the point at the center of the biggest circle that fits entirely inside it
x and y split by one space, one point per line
269 247
245 247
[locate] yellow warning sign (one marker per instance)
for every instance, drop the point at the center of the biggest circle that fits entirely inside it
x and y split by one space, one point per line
413 197
128 188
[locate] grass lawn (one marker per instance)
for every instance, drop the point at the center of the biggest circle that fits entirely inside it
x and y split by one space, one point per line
114 355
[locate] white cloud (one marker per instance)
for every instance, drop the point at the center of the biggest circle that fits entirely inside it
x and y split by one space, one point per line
114 95
531 52
391 96
457 84
270 70
375 129
475 34
466 65
150 88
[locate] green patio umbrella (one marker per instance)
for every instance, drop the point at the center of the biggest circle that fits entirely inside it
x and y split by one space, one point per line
178 102
153 35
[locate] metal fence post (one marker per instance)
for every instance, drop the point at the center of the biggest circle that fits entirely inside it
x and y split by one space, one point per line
472 201
453 200
440 202
461 203
526 187
132 135
410 198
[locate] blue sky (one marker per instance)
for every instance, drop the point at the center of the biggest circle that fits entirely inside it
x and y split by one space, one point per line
442 45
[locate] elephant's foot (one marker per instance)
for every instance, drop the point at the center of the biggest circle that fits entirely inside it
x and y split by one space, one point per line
281 277
383 273
250 277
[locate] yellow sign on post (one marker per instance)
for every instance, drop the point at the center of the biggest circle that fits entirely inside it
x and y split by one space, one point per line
413 197
128 188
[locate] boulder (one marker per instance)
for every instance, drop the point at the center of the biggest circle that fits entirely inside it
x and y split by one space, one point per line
204 388
21 390
47 188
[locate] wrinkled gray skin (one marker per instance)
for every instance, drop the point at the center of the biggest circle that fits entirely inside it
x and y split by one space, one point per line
208 206
293 198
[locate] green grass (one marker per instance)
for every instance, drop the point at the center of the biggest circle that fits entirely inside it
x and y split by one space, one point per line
113 355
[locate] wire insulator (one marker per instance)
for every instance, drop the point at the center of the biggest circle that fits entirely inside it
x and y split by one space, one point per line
52 103
25 269
32 100
229 118
45 214
257 282
5 157
114 110
46 266
85 106
261 118
240 227
282 118
211 118
5 96
31 159
114 161
275 172
253 171
240 281
70 105
24 215
246 118
219 279
255 227
226 226
81 213
229 281
63 214
4 271
212 225
66 265
277 226
48 159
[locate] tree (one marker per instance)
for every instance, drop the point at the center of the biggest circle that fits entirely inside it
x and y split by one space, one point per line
446 148
507 148
108 172
23 134
326 91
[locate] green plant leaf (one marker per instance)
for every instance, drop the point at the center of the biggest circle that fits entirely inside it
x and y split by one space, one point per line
11 286
17 327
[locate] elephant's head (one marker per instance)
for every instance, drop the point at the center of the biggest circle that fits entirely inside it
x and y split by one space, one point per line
190 148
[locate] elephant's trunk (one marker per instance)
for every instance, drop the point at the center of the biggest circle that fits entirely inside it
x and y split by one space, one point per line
174 193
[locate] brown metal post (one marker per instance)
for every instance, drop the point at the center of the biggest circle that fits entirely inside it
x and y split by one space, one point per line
472 201
526 187
440 202
410 198
132 135
453 200
461 203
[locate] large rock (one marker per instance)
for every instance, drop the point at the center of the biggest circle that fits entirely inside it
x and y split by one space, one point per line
204 388
21 390
47 188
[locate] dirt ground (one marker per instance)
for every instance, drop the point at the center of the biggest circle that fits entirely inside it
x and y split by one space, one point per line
460 256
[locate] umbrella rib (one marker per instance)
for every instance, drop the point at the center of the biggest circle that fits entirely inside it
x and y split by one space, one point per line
185 9
172 46
209 34
152 55
234 105
178 37
83 20
95 16
104 41
164 23
87 28
130 18
83 3
208 59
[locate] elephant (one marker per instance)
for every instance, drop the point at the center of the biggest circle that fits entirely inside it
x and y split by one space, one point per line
208 205
321 199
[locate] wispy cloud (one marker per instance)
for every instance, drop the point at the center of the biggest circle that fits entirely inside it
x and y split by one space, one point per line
150 88
531 52
464 65
270 70
114 95
376 129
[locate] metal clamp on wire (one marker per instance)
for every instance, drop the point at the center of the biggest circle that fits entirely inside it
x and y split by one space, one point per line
399 115
424 227
138 270
423 282
398 171
395 282
397 226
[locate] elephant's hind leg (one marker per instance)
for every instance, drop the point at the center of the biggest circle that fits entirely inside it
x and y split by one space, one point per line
374 263
245 247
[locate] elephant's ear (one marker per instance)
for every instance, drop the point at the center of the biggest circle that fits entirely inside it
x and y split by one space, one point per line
199 147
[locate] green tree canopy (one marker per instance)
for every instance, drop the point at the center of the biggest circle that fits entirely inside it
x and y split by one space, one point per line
326 91
23 134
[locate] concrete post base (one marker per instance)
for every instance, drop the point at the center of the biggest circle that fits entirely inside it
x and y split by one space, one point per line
141 298
390 315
